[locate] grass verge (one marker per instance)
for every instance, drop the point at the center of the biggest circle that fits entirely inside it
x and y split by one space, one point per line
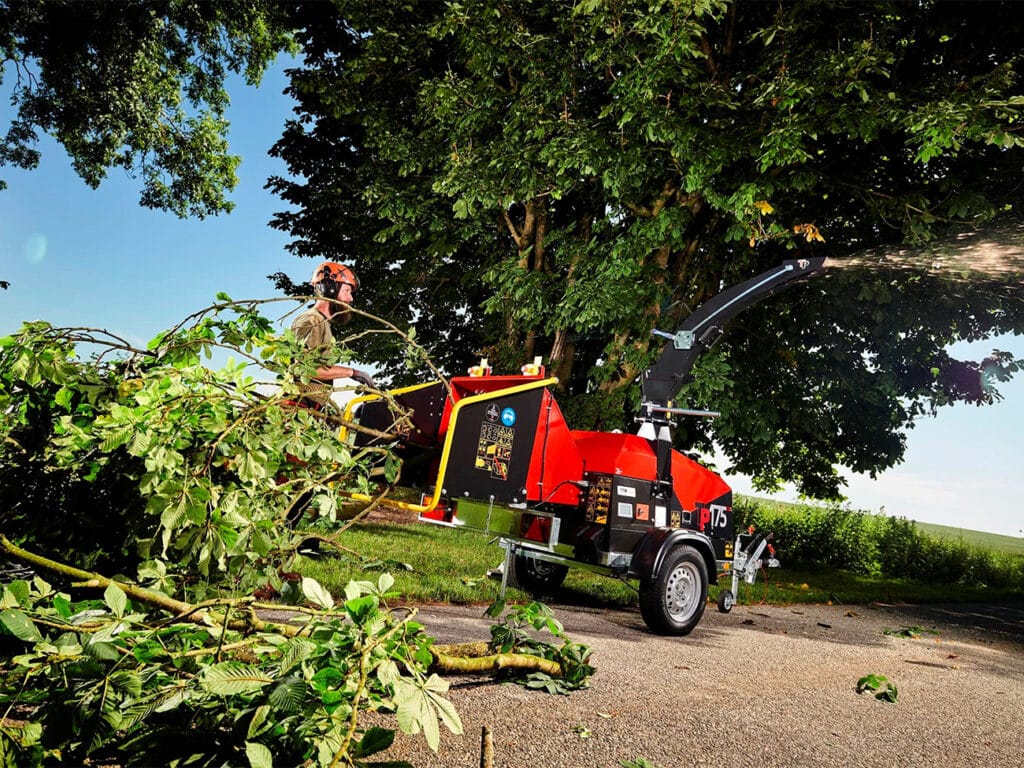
437 564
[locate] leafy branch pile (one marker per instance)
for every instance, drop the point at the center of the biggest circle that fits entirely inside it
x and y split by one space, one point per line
147 462
107 679
156 462
514 646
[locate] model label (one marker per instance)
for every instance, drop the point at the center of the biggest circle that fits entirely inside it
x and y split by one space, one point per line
626 491
494 449
715 515
719 516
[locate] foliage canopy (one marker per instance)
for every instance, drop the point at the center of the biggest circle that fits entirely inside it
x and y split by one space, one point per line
539 177
137 85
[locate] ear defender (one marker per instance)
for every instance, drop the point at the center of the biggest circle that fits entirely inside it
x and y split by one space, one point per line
329 277
326 287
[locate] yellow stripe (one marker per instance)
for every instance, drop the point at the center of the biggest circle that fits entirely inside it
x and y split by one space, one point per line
351 404
446 450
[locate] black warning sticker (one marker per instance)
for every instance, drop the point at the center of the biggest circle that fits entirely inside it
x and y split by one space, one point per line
494 450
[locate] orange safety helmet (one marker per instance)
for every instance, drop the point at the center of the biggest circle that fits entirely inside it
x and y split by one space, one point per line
329 276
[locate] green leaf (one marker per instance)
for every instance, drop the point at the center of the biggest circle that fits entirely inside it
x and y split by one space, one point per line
495 609
296 650
316 594
8 599
259 755
361 609
375 740
288 695
116 600
233 677
419 704
63 397
890 694
325 678
116 439
62 605
446 710
19 625
103 650
259 717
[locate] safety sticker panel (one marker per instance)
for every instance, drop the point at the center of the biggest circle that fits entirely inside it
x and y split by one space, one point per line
491 447
494 450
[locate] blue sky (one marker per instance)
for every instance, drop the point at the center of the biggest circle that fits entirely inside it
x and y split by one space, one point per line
963 468
79 257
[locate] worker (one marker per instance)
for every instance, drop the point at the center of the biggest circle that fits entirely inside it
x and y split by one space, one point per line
335 286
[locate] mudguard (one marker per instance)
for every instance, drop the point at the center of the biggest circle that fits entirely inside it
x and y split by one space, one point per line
658 542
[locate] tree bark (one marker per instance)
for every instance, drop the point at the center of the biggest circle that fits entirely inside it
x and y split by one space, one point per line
495 662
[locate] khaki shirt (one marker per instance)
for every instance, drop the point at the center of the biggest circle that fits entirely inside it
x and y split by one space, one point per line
314 329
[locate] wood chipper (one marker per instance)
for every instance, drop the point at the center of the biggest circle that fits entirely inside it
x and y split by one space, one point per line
495 454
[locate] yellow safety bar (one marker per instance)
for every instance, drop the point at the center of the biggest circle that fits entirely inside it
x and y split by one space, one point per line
446 449
351 404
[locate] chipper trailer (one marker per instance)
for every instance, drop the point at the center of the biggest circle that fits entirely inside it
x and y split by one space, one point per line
496 455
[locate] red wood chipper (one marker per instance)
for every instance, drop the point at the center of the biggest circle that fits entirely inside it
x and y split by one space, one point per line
496 455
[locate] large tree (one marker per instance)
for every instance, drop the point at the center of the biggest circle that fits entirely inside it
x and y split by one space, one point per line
135 84
545 177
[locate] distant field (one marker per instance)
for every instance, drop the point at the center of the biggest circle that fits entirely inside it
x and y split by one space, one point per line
994 541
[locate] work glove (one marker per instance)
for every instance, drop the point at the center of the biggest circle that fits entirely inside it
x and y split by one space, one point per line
363 378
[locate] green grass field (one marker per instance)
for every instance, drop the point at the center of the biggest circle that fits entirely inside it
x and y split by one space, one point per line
995 541
437 564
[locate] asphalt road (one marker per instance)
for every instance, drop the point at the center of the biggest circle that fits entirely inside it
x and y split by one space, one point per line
999 620
763 685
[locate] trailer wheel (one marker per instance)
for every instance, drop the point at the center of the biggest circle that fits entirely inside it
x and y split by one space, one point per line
726 600
533 575
673 602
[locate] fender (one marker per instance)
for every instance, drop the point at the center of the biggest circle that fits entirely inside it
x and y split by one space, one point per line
657 542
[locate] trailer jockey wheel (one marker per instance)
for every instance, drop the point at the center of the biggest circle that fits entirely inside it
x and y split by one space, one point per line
726 600
533 575
673 602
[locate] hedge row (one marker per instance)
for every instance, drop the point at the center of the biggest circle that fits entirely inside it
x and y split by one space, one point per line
808 536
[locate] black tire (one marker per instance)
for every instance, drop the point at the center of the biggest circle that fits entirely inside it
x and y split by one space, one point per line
673 602
536 576
726 600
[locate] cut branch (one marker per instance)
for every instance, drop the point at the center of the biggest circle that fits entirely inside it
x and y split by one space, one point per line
495 662
194 614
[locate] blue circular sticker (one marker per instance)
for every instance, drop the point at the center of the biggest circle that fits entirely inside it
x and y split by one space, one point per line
508 417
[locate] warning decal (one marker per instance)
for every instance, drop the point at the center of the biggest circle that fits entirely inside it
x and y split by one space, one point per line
494 450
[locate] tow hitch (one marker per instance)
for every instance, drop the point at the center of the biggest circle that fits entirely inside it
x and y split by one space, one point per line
747 560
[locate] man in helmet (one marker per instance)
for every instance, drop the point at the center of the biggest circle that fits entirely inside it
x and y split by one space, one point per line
332 283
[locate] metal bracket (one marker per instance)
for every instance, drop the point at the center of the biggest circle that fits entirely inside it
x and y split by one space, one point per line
679 339
655 408
507 566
